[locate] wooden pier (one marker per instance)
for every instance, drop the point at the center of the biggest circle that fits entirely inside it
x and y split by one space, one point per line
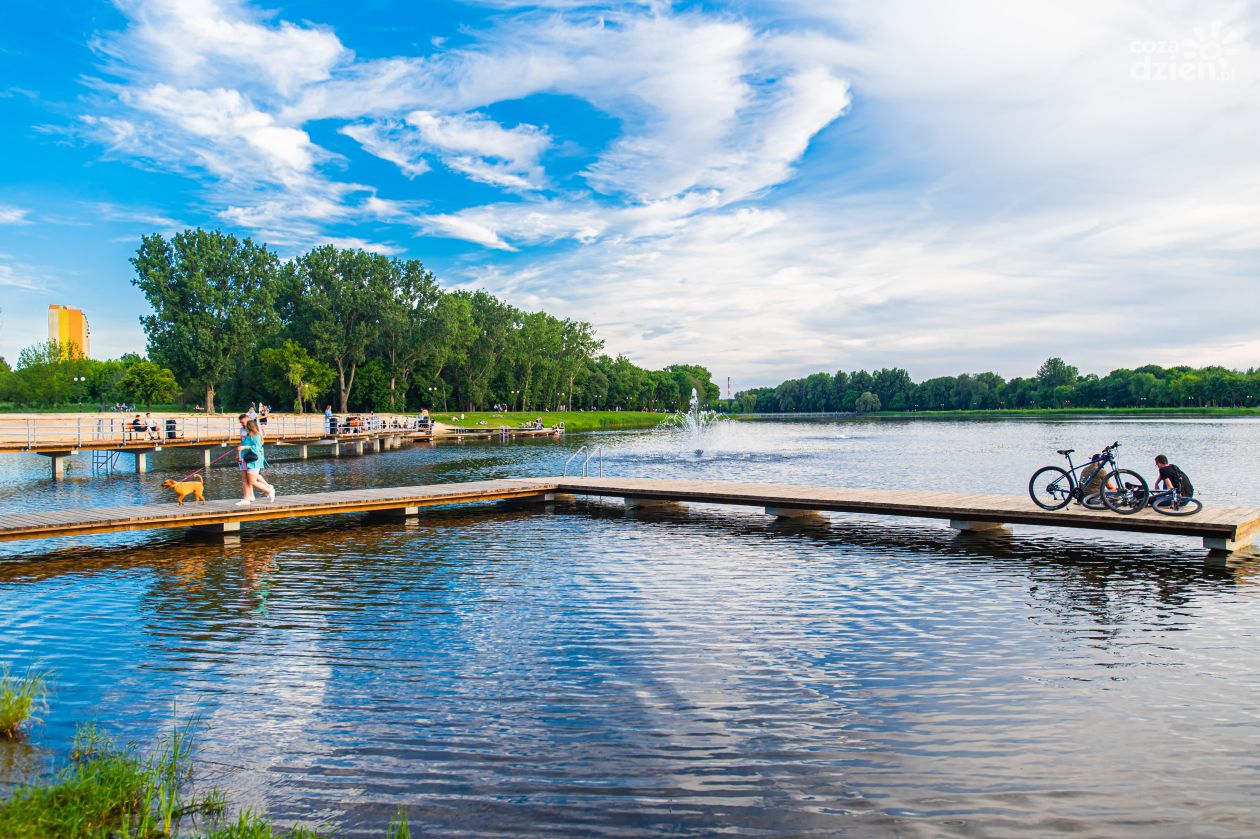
60 436
1221 528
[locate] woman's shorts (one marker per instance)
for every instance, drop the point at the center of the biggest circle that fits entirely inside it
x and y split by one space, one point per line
253 469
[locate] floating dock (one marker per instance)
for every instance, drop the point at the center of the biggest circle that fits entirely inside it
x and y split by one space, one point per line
1221 528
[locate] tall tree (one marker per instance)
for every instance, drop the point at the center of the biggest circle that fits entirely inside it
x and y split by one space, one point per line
212 295
332 300
411 295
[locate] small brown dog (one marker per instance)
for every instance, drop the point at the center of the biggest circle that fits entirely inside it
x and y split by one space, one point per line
183 489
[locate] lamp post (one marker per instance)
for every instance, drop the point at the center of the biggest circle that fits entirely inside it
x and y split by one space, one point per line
515 395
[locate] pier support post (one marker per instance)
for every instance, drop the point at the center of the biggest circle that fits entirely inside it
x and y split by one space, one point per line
635 503
303 451
394 514
228 532
142 462
793 513
58 463
336 450
359 448
544 498
1218 545
205 458
967 526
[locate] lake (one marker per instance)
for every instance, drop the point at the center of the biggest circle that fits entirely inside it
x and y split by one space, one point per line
596 672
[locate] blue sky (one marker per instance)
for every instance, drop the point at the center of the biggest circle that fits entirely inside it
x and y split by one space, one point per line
768 188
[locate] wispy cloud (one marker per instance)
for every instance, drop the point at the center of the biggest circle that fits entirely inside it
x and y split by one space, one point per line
22 277
13 215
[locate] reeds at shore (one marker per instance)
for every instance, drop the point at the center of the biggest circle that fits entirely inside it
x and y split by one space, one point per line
21 698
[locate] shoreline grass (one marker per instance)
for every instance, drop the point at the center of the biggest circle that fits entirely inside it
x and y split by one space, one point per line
574 421
21 698
106 791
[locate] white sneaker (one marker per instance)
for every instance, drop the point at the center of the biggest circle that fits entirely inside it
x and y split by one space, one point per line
271 494
244 502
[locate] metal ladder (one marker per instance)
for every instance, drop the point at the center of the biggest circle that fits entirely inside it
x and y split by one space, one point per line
591 453
104 462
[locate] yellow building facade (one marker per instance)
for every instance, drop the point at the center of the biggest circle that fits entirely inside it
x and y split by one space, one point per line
67 324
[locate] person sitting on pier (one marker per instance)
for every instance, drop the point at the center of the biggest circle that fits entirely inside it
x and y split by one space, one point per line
137 426
151 426
1092 475
1171 477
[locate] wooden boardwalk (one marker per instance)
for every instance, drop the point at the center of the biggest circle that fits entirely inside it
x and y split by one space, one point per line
1220 528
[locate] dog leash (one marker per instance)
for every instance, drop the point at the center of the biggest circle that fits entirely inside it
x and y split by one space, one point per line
202 469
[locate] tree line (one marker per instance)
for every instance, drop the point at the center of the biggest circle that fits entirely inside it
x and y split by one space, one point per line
1056 384
232 323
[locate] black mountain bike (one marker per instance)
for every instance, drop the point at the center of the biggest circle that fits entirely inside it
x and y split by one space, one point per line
1172 503
1122 491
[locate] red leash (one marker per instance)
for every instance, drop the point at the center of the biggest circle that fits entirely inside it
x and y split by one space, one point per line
202 469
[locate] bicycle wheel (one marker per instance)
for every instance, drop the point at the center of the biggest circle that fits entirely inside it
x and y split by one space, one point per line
1130 493
1051 488
1093 502
1169 506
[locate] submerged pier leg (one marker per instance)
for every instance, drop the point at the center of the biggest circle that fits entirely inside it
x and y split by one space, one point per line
142 462
336 450
636 503
1219 545
205 458
303 452
359 448
393 514
58 463
228 532
968 526
545 498
793 513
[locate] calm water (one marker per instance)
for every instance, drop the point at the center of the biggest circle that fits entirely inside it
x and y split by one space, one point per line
593 672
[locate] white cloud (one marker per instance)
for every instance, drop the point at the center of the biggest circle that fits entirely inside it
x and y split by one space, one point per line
188 41
471 144
20 277
13 215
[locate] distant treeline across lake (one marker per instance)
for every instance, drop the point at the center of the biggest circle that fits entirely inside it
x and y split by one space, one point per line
1056 384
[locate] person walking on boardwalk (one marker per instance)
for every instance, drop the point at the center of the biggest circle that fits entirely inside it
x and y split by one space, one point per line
253 461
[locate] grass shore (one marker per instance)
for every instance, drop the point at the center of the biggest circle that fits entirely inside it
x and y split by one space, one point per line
573 420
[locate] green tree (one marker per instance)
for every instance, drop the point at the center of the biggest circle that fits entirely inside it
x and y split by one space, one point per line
45 373
411 295
212 297
290 367
867 403
147 382
1056 372
332 300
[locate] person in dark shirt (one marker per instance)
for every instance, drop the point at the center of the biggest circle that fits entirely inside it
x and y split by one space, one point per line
1171 477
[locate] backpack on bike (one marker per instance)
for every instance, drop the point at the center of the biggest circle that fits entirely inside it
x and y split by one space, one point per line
1184 488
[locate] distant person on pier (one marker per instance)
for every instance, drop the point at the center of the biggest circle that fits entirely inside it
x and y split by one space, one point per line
253 461
328 419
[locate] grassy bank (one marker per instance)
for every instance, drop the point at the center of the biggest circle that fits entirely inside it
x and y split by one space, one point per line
106 791
573 420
